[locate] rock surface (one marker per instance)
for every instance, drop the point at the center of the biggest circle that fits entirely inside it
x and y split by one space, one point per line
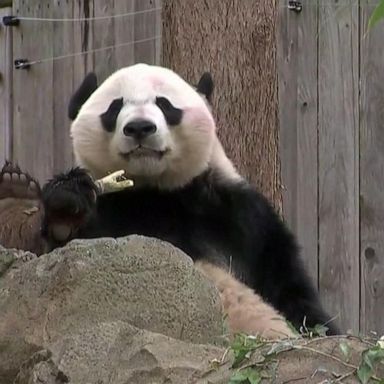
89 285
136 311
117 353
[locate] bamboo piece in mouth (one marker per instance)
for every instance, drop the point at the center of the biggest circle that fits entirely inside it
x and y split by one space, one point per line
113 183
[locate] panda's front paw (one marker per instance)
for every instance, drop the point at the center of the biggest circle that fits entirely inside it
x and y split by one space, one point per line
69 202
15 184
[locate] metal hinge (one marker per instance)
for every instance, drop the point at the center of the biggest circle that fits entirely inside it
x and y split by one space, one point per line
295 6
11 21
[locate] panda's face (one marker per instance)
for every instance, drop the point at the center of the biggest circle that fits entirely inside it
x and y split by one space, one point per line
148 121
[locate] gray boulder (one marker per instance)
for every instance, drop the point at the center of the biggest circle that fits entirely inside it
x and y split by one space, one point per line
135 311
100 290
118 353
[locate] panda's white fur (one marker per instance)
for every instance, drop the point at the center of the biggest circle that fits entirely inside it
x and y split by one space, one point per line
189 150
246 311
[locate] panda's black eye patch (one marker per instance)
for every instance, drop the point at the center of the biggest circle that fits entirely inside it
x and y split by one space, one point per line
109 117
172 114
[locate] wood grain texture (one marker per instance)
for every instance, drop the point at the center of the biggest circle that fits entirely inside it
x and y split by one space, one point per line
372 172
83 41
124 33
5 88
33 143
158 32
236 41
104 36
145 26
298 107
63 38
338 163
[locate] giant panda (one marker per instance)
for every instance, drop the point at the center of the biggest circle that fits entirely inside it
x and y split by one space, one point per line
159 129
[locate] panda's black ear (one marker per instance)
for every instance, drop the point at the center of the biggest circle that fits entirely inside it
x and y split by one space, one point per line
205 85
87 87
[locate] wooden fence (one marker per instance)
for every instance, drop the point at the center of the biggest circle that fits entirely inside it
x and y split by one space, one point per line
331 92
331 96
35 127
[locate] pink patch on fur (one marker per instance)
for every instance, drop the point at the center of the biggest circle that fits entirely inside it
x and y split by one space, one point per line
155 81
200 117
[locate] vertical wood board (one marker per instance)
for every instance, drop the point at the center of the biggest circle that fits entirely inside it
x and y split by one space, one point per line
104 37
297 71
372 173
125 33
83 41
338 163
5 87
63 42
33 144
145 27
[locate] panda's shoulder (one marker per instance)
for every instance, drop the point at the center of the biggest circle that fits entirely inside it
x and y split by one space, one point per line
237 195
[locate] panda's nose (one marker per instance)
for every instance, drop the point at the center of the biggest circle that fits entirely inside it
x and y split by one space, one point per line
139 129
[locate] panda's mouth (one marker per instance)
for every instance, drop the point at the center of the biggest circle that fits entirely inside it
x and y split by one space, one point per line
140 152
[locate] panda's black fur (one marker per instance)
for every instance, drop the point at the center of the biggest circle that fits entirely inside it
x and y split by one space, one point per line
209 219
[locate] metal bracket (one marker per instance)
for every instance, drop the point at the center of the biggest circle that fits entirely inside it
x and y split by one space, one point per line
295 6
22 64
11 21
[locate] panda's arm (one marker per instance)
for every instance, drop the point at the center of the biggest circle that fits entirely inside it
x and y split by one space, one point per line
70 208
268 251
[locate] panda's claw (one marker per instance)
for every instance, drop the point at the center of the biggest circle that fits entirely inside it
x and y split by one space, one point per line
6 178
17 184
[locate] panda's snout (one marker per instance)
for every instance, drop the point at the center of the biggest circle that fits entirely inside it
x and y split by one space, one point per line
139 129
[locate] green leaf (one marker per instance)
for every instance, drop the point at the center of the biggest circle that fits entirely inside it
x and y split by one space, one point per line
345 350
254 377
370 359
320 330
243 346
238 377
364 373
246 376
373 355
377 15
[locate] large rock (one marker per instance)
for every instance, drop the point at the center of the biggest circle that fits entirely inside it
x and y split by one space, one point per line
138 281
118 353
92 313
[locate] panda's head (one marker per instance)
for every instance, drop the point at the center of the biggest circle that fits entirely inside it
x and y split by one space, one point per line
148 121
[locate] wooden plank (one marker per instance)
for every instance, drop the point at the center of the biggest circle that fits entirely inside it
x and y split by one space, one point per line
372 171
158 32
33 146
62 88
124 33
5 88
297 69
104 36
145 28
338 162
83 41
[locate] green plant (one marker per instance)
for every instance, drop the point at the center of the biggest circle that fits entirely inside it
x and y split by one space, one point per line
371 358
253 371
377 14
243 346
246 376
